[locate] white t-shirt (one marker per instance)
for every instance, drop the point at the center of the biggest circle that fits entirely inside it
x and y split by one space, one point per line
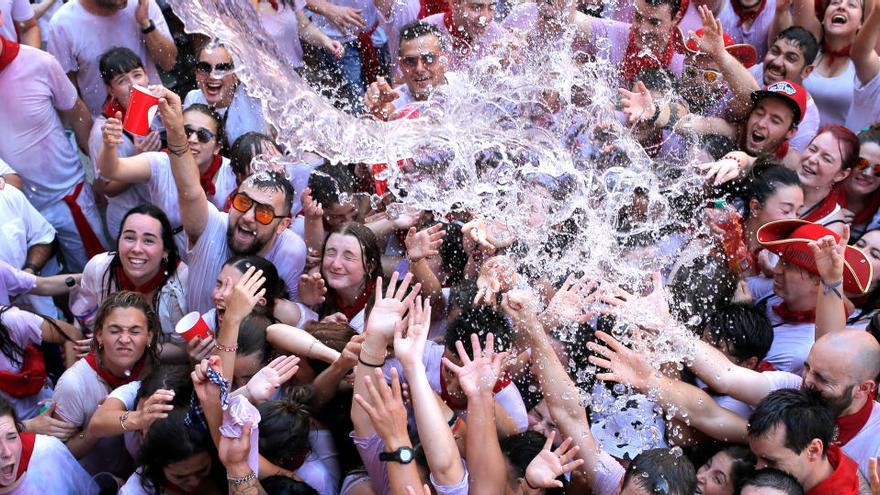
53 469
756 34
245 114
808 128
77 395
206 258
833 95
283 27
24 329
22 227
791 341
321 469
79 38
369 14
35 88
865 109
12 11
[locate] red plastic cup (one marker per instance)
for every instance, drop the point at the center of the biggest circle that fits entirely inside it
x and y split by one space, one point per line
142 107
191 326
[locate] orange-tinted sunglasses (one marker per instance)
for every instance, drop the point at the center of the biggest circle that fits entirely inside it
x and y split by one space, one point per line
862 164
263 213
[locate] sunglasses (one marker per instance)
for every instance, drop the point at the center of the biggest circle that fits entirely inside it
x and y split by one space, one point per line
863 164
263 213
203 135
708 75
222 67
411 61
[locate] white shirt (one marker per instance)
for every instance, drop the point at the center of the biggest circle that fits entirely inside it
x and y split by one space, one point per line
11 12
791 341
163 189
756 34
283 27
22 227
244 113
79 38
833 95
865 109
35 88
53 469
808 128
321 469
369 14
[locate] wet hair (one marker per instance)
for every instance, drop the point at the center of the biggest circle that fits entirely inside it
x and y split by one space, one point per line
870 134
417 29
169 264
7 409
329 182
717 145
10 348
674 5
847 144
273 180
244 149
803 414
252 336
773 478
662 471
371 259
174 377
744 328
219 131
274 284
169 441
742 462
767 177
332 334
127 299
283 485
802 39
454 257
118 60
480 320
284 428
698 288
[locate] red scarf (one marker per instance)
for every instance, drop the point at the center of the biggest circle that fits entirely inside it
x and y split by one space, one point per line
633 63
461 42
111 106
371 67
461 404
765 366
10 51
206 179
867 213
781 150
359 304
113 380
154 283
28 439
824 207
845 478
849 426
835 54
31 375
792 316
746 15
431 7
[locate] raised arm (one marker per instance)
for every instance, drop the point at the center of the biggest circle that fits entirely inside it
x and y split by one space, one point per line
419 246
805 16
298 341
133 169
863 52
313 222
830 309
781 20
161 49
441 450
192 199
239 303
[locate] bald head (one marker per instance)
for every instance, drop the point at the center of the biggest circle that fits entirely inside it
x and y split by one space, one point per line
859 350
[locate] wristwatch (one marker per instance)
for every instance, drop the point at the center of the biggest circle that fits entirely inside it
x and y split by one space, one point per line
403 455
150 28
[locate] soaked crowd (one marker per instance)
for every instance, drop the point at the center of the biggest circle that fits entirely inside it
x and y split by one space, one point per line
188 306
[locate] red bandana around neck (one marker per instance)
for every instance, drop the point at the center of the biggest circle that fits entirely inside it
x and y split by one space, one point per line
633 63
10 51
431 7
206 179
791 316
824 207
781 150
747 16
28 439
461 404
833 55
845 478
359 304
867 213
111 106
154 283
850 425
113 380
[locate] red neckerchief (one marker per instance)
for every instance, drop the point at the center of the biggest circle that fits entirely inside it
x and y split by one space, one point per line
206 178
31 375
28 439
845 478
746 15
792 316
298 460
824 207
359 303
371 68
867 213
460 40
10 51
850 425
431 7
765 366
111 106
834 54
461 404
154 283
633 63
781 150
113 380
274 4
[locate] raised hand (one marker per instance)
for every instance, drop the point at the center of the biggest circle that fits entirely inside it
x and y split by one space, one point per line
874 473
311 208
498 274
410 349
726 169
424 243
206 391
349 356
571 302
402 216
712 41
170 108
624 365
157 406
142 13
311 289
270 378
390 309
246 293
549 465
384 406
519 305
478 376
379 99
829 255
111 131
638 105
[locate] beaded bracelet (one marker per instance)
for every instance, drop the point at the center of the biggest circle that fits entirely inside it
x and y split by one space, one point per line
122 419
221 347
243 479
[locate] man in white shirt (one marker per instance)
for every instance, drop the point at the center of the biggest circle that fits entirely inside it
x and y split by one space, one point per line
20 14
82 30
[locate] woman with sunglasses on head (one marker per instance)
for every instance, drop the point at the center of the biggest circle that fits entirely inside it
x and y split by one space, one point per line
220 89
147 261
860 195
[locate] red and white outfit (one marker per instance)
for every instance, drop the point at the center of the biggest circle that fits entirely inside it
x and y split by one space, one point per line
734 21
280 22
47 466
24 384
35 88
809 126
620 51
794 332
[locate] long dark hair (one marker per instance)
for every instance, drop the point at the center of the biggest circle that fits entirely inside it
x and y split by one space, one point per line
10 348
371 260
169 264
284 428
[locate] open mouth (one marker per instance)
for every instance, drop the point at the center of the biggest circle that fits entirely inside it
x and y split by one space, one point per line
839 19
213 88
7 471
245 235
137 261
757 138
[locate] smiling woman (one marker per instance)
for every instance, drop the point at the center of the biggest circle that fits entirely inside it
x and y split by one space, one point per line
350 265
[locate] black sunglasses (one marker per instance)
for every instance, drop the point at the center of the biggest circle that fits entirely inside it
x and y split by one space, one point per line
428 59
203 135
207 68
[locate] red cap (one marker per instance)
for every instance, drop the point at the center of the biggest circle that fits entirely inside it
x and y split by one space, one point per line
794 94
746 54
790 240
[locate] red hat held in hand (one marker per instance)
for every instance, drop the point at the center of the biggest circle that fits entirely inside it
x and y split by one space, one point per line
746 54
790 240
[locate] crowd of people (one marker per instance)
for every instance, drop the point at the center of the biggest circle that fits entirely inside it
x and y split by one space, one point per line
194 310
